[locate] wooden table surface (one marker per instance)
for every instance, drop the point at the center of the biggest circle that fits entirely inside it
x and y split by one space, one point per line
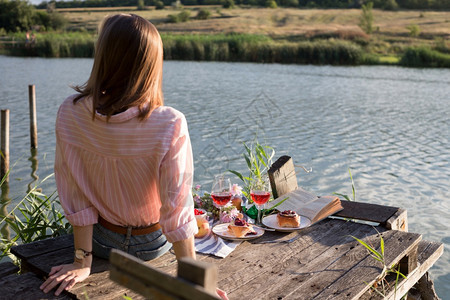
325 262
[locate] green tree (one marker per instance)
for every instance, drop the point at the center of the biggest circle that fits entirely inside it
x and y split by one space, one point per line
270 4
16 15
228 3
366 19
159 4
140 5
390 5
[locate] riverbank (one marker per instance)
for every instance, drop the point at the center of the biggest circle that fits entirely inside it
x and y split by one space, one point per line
284 35
238 48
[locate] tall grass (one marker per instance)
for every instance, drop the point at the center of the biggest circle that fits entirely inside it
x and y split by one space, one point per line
75 44
35 217
237 48
262 49
421 57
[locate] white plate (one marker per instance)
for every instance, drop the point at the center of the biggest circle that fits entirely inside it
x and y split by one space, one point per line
222 231
271 222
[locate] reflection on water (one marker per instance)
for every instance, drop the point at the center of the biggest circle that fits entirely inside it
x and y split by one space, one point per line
34 168
389 125
4 201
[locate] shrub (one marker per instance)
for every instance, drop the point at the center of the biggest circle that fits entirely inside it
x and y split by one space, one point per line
414 30
183 16
228 3
291 3
390 5
159 4
271 4
203 14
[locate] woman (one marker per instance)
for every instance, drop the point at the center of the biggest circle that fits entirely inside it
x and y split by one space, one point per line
123 162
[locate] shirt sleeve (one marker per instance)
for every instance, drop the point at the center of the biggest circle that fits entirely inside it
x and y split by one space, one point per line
176 174
77 208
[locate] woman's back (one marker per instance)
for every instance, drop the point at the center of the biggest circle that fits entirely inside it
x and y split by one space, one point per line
116 163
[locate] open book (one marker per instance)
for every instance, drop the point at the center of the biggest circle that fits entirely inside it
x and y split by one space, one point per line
309 205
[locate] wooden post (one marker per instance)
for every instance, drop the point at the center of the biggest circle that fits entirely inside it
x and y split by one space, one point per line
282 176
399 221
4 144
198 272
191 283
33 123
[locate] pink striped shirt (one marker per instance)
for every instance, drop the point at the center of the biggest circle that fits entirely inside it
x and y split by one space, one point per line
131 172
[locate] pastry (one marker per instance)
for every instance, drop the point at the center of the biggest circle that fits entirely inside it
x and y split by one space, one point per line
288 218
240 228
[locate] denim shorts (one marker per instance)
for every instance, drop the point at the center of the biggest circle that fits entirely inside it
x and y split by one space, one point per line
146 247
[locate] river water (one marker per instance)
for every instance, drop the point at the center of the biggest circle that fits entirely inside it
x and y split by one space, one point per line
389 125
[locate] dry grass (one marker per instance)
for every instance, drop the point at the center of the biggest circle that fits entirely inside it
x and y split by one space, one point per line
283 22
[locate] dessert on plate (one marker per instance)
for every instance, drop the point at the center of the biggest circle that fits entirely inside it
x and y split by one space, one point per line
288 219
240 228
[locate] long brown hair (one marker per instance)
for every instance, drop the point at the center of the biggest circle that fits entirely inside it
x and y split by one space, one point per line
127 68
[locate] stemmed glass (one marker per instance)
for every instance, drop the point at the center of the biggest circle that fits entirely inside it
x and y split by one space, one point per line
221 191
260 193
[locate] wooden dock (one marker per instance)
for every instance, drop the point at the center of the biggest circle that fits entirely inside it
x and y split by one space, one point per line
325 262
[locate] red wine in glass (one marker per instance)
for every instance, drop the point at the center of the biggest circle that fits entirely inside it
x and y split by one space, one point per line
260 197
221 198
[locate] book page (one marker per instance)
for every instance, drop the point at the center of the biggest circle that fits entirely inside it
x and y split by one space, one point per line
309 205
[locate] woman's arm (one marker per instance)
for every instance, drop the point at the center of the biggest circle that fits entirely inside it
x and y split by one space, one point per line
66 276
184 248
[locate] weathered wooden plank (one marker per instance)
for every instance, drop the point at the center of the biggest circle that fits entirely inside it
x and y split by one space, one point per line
282 176
100 286
268 277
8 268
366 211
38 248
133 273
321 265
198 272
137 284
425 288
42 264
428 254
250 260
26 286
398 221
361 276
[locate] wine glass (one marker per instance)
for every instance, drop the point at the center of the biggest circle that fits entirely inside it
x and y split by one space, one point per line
221 191
260 193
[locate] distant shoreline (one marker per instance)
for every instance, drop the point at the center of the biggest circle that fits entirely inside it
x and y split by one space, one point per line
263 35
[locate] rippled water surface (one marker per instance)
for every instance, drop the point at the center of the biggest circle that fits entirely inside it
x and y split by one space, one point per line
389 125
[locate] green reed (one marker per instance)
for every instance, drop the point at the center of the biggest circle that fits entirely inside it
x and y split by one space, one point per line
235 47
345 196
259 159
35 217
422 57
387 270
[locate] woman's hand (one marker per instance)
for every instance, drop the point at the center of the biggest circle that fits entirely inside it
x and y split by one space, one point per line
66 276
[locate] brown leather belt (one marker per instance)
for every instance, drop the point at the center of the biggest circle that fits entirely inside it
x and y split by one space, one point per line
124 230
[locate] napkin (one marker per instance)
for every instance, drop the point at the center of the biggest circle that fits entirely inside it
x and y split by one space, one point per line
214 245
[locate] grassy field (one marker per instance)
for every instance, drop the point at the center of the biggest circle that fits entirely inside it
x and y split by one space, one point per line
281 22
284 35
